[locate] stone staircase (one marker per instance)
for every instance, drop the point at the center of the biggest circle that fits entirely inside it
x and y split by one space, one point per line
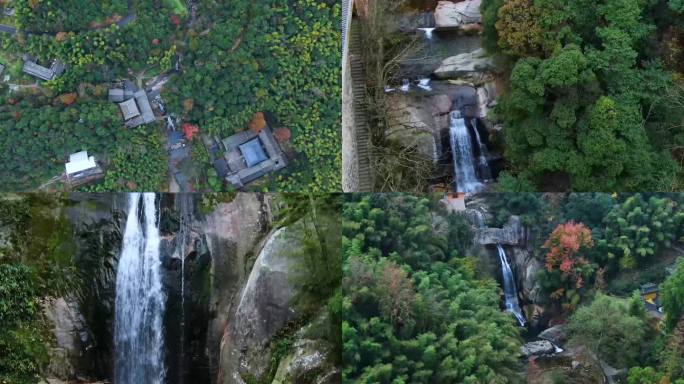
361 127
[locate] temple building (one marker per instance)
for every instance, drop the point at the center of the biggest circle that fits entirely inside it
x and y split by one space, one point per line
249 155
134 104
650 295
43 73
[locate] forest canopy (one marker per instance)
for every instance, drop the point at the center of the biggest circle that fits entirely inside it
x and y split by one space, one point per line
414 309
594 93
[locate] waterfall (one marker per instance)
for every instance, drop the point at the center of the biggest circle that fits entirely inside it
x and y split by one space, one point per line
483 164
510 291
480 218
462 150
406 84
428 32
139 306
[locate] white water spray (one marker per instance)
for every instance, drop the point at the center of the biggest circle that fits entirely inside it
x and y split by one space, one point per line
424 84
461 148
139 306
483 164
428 32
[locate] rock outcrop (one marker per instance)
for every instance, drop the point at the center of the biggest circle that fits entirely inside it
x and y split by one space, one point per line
536 348
455 15
233 231
512 233
312 355
556 334
265 306
526 267
72 337
418 123
473 67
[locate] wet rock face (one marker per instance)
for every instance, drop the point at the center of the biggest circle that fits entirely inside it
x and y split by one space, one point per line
98 221
526 268
185 264
264 307
72 337
233 233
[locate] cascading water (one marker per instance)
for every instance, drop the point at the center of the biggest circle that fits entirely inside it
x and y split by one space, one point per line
461 148
405 86
510 290
483 164
428 32
424 84
138 325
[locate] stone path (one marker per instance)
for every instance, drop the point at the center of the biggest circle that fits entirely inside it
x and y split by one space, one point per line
361 127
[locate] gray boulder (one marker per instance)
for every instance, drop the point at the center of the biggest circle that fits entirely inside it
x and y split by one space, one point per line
536 348
472 67
556 334
308 358
454 15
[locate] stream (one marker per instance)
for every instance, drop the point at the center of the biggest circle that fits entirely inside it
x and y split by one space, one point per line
446 85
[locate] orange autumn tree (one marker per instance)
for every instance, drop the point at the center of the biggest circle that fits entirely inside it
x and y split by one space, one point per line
190 130
566 246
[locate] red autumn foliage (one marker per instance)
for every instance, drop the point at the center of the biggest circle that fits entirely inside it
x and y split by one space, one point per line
155 42
564 245
175 20
190 130
282 134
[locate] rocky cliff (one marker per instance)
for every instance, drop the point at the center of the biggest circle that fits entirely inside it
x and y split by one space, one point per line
233 294
270 337
514 236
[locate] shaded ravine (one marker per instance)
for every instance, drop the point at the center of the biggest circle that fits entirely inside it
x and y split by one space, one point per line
140 299
511 301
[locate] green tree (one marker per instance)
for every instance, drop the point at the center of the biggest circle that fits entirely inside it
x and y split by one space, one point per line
607 329
414 311
673 295
639 228
23 342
